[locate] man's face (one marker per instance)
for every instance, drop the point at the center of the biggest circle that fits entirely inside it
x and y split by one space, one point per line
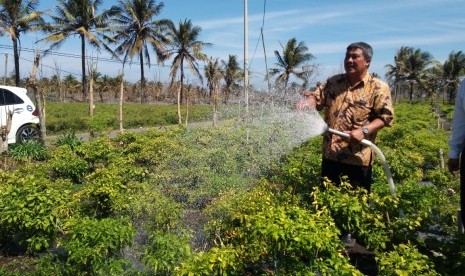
355 63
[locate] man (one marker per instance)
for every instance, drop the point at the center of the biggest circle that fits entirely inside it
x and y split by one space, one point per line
457 144
358 104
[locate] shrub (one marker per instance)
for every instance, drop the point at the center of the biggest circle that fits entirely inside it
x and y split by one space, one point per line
404 260
159 183
65 163
97 152
70 139
32 210
109 190
95 246
166 251
266 230
28 151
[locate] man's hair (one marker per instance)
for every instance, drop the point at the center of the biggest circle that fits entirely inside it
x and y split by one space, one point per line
365 47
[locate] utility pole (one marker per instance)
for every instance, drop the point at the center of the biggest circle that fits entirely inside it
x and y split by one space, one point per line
6 68
246 59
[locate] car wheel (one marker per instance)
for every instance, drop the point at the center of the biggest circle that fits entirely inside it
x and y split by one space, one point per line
26 133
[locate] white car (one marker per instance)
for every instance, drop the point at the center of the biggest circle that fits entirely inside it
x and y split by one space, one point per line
25 119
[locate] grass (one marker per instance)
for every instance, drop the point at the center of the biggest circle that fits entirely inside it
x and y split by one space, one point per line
73 117
29 150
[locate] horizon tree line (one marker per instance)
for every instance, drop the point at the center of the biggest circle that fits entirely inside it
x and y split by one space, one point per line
133 26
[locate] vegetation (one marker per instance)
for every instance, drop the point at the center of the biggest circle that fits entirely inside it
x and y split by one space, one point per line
130 28
231 199
16 17
452 70
66 118
81 18
186 49
138 31
213 74
236 198
416 72
231 73
289 63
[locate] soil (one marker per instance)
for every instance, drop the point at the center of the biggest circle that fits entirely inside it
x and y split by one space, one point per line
362 259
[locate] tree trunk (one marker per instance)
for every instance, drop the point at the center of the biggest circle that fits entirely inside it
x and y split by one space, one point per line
91 94
83 66
4 130
40 98
227 92
394 100
182 81
121 100
411 92
180 95
451 93
16 57
187 108
215 104
60 91
142 78
61 95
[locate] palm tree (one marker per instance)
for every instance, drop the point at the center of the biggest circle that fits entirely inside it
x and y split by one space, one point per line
453 69
16 17
186 48
290 61
414 62
104 86
232 73
434 82
395 71
213 75
139 30
80 17
71 86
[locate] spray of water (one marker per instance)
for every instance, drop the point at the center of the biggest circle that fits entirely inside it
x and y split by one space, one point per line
287 129
296 127
277 130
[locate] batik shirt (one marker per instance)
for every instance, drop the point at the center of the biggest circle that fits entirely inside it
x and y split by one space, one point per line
348 108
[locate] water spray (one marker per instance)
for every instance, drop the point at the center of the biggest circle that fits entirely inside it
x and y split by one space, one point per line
299 127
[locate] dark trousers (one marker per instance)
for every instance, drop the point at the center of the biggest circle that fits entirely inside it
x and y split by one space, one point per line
359 176
462 185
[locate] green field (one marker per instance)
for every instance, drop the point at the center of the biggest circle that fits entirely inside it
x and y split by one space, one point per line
237 198
66 117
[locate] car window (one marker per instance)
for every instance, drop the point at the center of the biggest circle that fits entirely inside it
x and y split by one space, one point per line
9 98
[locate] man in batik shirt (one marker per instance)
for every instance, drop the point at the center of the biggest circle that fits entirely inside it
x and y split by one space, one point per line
358 104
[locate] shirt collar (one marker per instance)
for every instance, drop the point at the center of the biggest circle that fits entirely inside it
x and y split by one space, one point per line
366 79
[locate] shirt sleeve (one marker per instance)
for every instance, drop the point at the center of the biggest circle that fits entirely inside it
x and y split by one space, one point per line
319 95
457 141
383 104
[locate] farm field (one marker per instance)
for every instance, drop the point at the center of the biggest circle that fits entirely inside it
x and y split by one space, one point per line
239 198
73 116
208 174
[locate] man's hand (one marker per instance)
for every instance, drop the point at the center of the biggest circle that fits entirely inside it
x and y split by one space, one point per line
308 102
453 164
355 136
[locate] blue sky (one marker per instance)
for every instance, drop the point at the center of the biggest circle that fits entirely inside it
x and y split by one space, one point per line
326 27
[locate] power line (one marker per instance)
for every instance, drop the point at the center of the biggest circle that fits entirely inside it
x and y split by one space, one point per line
261 33
263 44
69 55
261 37
50 67
77 56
